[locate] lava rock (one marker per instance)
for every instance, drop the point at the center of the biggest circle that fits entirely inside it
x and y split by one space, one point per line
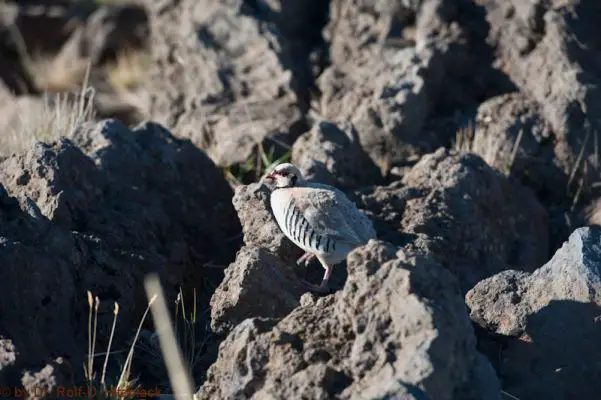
256 284
259 226
98 213
514 123
541 46
552 318
399 327
334 147
470 218
233 90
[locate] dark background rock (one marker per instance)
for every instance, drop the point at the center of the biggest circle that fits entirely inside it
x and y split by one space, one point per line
130 203
219 78
549 51
335 146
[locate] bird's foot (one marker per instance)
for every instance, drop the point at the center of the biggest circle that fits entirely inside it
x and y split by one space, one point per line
305 258
323 286
321 289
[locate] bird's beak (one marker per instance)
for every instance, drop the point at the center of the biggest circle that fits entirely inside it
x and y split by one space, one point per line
269 177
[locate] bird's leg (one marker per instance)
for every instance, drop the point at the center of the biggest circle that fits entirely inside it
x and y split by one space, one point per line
323 286
326 276
305 258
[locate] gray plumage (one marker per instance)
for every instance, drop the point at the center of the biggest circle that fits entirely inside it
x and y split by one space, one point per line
318 218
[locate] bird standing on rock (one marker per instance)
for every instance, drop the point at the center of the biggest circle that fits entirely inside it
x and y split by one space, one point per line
318 218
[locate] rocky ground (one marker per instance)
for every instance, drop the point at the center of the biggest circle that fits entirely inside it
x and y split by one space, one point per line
467 130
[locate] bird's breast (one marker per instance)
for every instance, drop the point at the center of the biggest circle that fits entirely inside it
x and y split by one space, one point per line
297 227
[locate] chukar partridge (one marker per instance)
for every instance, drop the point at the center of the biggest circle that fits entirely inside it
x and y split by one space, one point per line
318 218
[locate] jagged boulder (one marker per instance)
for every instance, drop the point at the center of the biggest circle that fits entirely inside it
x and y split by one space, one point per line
469 217
395 65
233 89
397 328
540 45
98 213
256 284
552 319
331 153
262 281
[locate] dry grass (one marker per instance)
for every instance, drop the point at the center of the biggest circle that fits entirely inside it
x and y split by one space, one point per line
64 73
128 71
464 138
46 119
68 97
123 387
179 375
56 74
192 333
52 73
465 142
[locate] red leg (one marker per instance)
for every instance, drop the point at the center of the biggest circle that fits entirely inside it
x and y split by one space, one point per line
326 275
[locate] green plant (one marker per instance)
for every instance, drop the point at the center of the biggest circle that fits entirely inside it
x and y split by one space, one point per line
255 166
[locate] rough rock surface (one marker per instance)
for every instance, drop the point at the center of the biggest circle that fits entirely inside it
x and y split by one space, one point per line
332 150
301 20
514 122
219 77
416 341
8 356
262 281
386 101
256 284
469 217
299 30
512 135
132 202
388 84
548 49
45 383
553 313
259 227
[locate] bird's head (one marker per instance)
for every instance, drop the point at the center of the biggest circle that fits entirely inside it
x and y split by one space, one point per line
284 175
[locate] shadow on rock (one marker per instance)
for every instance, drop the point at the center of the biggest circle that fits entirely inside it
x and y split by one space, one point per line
98 213
558 356
550 321
398 328
457 209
